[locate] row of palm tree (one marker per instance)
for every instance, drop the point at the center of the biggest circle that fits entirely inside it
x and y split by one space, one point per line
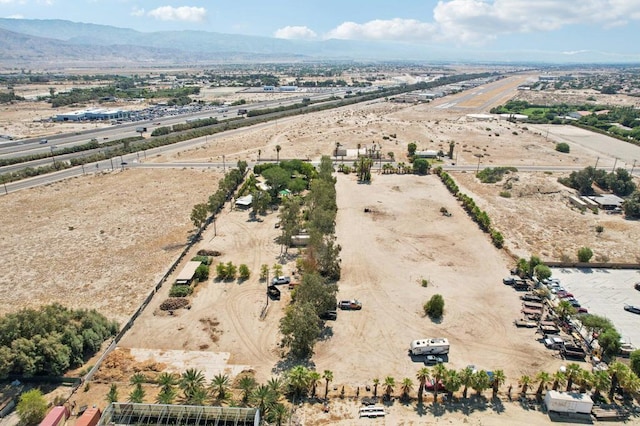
300 382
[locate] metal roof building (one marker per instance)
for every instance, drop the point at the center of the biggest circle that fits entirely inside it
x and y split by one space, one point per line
187 273
119 413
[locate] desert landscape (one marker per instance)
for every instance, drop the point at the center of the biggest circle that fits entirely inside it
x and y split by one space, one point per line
104 240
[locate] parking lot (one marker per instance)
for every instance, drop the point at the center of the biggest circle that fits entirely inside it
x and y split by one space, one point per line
604 292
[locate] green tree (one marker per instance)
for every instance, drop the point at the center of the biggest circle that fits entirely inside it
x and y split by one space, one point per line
585 254
232 270
601 383
480 381
264 398
631 206
563 147
609 341
434 308
277 269
315 291
221 271
363 169
420 166
437 374
634 362
264 272
559 378
137 395
542 272
260 203
300 334
199 214
376 382
573 372
564 310
244 271
595 324
201 273
452 145
32 407
524 381
411 149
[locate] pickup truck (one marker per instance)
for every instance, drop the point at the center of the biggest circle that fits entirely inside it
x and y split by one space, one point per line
350 305
273 292
281 280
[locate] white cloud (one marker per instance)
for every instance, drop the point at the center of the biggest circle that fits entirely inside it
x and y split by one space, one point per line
394 29
136 11
17 16
182 13
479 21
295 32
12 1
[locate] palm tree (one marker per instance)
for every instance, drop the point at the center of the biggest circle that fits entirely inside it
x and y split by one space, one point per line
437 374
630 383
407 386
137 394
220 386
451 382
247 384
466 376
280 413
137 379
586 381
191 381
278 148
480 381
558 379
565 310
314 377
112 396
573 372
422 375
616 371
601 383
167 381
524 381
263 397
376 382
543 378
166 396
389 383
298 380
276 384
498 380
327 375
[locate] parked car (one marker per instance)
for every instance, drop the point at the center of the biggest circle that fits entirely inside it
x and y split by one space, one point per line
43 141
631 308
329 315
509 280
433 360
350 305
564 294
430 385
582 310
637 286
281 280
575 303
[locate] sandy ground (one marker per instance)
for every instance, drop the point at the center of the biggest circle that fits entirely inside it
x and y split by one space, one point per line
103 241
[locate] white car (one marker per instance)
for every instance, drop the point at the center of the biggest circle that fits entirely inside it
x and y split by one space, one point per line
281 280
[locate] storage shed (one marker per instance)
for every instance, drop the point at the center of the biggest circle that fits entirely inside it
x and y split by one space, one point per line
187 273
568 402
244 202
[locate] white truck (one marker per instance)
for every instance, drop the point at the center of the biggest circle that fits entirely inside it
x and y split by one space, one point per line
437 346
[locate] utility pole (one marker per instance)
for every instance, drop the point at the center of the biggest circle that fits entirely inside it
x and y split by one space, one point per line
596 166
633 167
614 165
5 188
224 165
478 168
53 156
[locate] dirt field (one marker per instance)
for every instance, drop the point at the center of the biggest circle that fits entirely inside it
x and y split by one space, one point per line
103 241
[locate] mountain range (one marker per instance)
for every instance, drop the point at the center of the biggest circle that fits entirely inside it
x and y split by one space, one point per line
60 43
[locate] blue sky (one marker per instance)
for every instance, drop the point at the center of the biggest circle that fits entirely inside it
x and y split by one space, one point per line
610 27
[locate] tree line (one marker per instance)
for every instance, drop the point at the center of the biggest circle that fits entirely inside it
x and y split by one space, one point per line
50 340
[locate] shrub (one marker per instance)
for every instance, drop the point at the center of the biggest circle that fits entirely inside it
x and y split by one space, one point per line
495 174
202 273
505 194
599 229
180 291
563 147
434 308
585 254
202 259
244 271
634 360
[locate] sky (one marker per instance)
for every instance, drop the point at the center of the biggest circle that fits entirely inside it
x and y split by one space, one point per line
607 27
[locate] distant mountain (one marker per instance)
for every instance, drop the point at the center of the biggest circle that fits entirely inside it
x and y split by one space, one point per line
32 41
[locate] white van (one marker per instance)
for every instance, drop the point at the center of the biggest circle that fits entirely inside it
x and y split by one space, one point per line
372 411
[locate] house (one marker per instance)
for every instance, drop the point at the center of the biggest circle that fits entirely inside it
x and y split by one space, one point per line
426 154
244 202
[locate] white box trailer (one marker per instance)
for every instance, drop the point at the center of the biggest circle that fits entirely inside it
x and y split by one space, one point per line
568 402
437 346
